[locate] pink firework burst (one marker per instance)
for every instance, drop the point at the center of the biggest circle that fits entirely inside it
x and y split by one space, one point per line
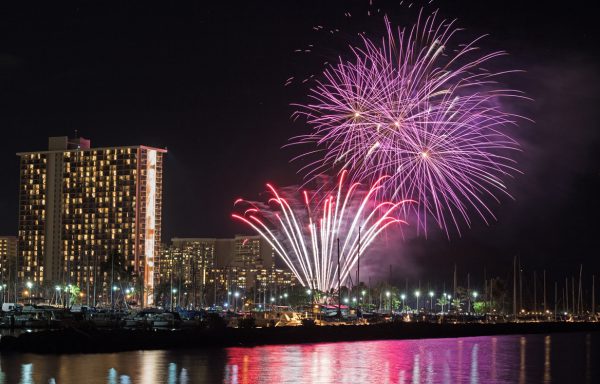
305 234
417 106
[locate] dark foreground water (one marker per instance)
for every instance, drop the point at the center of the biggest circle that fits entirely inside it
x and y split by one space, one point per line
557 358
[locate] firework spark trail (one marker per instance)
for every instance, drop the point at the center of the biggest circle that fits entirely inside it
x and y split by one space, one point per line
304 235
412 107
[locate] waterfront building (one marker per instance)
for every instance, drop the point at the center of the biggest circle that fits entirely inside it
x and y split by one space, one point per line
209 271
184 265
8 258
82 209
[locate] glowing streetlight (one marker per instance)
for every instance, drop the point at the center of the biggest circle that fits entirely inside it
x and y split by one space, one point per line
403 297
417 294
29 284
431 301
236 294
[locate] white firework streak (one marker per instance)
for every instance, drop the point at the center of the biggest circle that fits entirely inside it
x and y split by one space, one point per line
310 249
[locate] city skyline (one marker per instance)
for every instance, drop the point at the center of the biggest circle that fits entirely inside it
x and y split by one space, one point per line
181 89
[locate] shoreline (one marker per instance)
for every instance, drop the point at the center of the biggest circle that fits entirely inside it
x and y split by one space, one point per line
73 340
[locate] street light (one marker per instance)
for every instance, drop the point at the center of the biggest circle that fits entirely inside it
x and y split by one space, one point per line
403 297
29 285
236 294
417 293
474 299
173 298
431 301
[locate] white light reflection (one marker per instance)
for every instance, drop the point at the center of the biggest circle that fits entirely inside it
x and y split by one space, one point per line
26 373
474 365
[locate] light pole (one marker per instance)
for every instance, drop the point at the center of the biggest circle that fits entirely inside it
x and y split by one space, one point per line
29 286
387 294
430 301
57 289
114 289
236 295
417 293
285 296
309 293
403 297
173 299
449 296
443 301
474 299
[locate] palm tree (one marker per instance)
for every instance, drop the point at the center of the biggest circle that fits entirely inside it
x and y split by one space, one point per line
456 303
115 267
442 302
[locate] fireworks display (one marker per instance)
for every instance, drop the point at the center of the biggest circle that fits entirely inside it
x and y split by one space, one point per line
420 107
305 234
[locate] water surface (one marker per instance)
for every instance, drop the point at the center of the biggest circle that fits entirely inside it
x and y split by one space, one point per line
556 358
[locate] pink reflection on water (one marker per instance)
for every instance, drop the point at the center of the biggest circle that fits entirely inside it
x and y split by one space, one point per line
389 361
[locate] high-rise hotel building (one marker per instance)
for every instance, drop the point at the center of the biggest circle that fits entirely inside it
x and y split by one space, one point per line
80 206
8 257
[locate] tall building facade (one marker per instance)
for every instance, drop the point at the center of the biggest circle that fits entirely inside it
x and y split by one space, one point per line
8 258
82 208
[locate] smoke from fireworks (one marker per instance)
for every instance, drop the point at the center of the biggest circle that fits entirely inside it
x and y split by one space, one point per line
305 235
422 109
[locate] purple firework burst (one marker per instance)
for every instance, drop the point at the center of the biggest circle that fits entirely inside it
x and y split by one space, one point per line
417 106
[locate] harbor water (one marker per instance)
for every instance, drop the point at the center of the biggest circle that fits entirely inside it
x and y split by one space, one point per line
553 358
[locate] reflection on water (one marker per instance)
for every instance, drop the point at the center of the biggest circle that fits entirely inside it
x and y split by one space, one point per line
501 359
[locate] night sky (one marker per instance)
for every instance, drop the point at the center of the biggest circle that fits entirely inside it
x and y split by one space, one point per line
207 82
